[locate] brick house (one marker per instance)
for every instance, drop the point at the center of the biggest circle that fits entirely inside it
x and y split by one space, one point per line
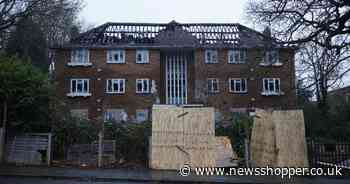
118 70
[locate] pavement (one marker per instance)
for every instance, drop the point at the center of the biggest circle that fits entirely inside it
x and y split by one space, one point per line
146 176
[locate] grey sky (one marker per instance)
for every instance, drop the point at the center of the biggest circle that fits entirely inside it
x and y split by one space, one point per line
97 12
163 11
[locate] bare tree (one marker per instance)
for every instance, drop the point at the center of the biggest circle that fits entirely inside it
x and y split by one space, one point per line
322 69
12 10
301 21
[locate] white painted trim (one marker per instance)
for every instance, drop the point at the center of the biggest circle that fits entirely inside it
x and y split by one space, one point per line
79 94
79 64
113 90
74 62
274 91
166 80
142 84
234 89
240 53
211 80
114 51
185 70
212 53
144 55
176 79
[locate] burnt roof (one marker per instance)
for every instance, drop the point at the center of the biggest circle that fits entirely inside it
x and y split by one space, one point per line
171 35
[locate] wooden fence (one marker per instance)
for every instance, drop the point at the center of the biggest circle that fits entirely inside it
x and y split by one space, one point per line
29 149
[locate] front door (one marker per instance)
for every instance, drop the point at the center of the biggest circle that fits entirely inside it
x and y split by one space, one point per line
176 78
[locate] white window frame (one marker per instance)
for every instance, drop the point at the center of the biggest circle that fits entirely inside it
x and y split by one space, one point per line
145 111
237 81
73 92
275 90
76 60
213 58
144 56
117 115
271 57
237 56
119 52
148 87
210 85
114 91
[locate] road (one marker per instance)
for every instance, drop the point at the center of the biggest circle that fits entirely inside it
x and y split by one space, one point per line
27 180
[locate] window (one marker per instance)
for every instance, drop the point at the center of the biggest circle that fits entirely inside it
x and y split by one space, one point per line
80 57
142 56
80 113
271 58
116 86
271 86
237 56
115 56
143 86
211 56
79 87
117 115
238 85
141 115
213 85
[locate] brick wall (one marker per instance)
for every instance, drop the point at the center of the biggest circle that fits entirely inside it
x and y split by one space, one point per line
197 71
254 73
130 101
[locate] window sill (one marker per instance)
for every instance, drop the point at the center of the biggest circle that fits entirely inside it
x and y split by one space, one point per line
79 64
236 63
272 93
142 62
239 92
264 64
114 62
79 94
277 64
115 93
271 64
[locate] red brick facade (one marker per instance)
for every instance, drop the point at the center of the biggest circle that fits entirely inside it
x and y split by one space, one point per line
197 71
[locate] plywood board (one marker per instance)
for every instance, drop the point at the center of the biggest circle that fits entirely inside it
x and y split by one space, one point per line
263 143
224 152
290 138
278 139
182 136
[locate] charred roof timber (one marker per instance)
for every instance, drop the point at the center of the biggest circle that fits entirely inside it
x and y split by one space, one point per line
170 35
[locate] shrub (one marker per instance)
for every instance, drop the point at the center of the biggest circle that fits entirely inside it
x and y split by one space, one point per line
132 139
69 131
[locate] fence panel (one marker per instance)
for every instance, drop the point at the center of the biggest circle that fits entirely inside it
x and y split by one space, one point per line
328 155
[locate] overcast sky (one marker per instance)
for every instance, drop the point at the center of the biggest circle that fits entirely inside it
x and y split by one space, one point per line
97 12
